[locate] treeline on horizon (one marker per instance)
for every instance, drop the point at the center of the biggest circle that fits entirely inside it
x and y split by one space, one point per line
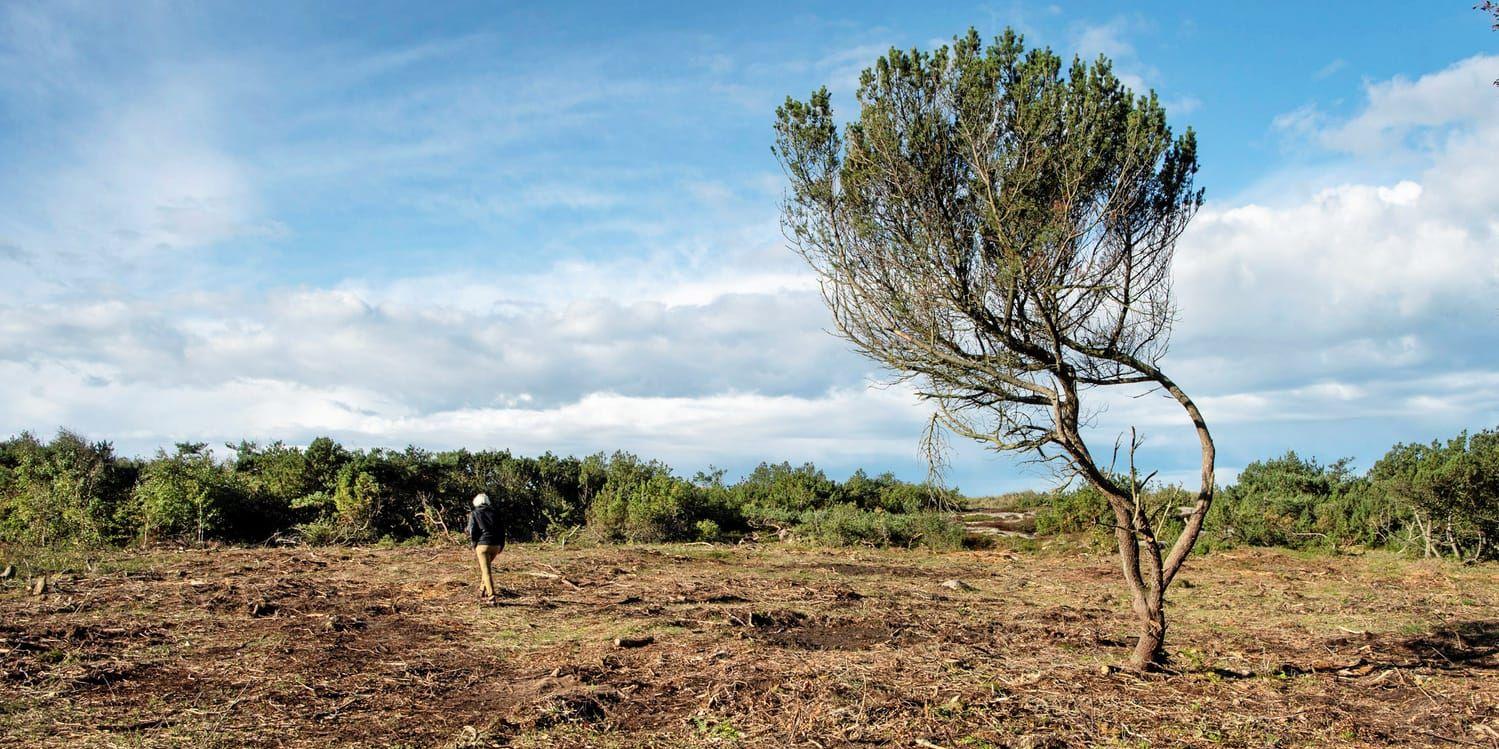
1437 499
71 490
1433 500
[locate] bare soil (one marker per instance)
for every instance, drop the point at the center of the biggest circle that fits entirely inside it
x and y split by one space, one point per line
767 646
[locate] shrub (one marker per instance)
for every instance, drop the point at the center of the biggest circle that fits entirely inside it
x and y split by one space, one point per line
66 491
707 530
357 500
932 530
780 487
1292 502
189 496
643 502
888 493
1083 509
847 525
1451 491
325 532
1074 510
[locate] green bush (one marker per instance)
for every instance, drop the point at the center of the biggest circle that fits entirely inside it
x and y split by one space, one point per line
357 501
1451 491
63 492
773 487
888 493
71 490
324 532
643 502
847 525
187 496
932 530
1292 502
1437 499
1073 511
707 530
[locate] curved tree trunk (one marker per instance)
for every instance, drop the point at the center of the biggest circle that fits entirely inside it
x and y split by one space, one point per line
1146 572
1150 651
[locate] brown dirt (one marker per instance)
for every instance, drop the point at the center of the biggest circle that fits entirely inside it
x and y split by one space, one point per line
771 646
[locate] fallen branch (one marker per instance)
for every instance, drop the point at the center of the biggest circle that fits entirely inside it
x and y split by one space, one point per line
552 576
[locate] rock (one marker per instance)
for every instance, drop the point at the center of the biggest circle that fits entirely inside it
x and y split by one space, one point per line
956 585
633 642
8 572
40 586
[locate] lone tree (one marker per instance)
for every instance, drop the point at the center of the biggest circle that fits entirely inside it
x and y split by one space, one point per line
1000 231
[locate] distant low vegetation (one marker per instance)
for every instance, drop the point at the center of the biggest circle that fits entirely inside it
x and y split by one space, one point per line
71 490
1437 499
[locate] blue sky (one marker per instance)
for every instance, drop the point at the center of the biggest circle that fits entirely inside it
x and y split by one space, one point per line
555 226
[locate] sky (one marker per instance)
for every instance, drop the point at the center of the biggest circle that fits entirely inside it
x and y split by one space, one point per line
554 226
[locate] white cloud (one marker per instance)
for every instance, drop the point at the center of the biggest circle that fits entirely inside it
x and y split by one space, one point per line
848 426
152 179
115 168
1183 106
1399 108
1107 39
843 67
441 342
1365 301
1302 122
1330 68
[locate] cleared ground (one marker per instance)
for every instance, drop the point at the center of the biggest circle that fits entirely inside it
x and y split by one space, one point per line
749 646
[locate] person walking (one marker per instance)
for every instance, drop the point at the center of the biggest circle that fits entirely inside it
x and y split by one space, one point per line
488 538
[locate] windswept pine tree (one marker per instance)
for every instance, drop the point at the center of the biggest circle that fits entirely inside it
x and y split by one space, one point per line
998 228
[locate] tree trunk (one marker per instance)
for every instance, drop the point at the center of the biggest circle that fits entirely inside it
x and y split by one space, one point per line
1147 596
1150 648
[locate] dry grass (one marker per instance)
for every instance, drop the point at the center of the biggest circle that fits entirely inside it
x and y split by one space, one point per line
768 646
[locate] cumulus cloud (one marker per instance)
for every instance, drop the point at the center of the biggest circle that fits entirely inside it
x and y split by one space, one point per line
843 426
1363 301
432 357
1400 107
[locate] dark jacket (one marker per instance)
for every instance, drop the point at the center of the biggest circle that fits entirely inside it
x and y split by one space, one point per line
484 528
